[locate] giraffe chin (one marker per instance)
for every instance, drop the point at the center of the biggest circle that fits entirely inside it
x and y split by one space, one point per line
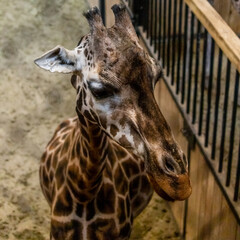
172 189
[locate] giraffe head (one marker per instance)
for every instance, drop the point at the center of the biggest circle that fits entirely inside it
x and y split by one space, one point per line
115 79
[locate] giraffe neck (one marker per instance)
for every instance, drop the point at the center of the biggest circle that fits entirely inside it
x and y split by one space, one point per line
85 172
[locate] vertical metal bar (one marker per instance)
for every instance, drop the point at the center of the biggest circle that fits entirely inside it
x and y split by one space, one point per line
102 10
151 22
224 119
148 20
186 202
179 45
190 63
218 90
145 18
169 35
173 40
196 72
236 188
232 133
164 30
156 22
202 82
160 29
209 100
184 52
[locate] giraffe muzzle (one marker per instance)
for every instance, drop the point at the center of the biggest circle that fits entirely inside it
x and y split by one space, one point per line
171 188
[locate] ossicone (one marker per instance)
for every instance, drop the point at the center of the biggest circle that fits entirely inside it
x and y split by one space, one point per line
94 18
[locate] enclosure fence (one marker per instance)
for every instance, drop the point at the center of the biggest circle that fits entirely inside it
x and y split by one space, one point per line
201 59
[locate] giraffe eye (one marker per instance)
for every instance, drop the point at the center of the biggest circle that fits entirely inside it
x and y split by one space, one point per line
100 90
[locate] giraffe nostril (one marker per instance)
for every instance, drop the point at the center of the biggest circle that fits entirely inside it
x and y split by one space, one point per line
169 167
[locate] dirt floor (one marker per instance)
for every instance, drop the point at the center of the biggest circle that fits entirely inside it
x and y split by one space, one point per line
32 103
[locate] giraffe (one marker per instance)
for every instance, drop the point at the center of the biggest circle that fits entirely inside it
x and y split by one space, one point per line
99 169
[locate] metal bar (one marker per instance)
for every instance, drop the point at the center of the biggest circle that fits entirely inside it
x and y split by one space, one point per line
224 118
218 90
185 53
151 22
164 30
196 72
236 189
202 83
209 100
190 64
232 133
102 10
147 19
160 29
173 40
179 45
169 35
155 25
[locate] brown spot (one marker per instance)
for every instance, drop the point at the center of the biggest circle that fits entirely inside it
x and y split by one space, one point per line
124 142
121 214
74 80
54 144
102 229
60 172
88 116
130 167
62 231
55 157
108 171
51 176
90 210
145 185
85 134
120 181
44 177
85 52
79 210
125 230
63 124
43 156
106 199
82 120
114 130
103 120
65 146
138 201
64 203
111 157
134 186
48 162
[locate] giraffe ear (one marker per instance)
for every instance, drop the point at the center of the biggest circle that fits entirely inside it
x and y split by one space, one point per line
58 59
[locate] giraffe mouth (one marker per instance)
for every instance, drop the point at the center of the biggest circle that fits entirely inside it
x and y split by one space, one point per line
164 195
170 189
158 189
